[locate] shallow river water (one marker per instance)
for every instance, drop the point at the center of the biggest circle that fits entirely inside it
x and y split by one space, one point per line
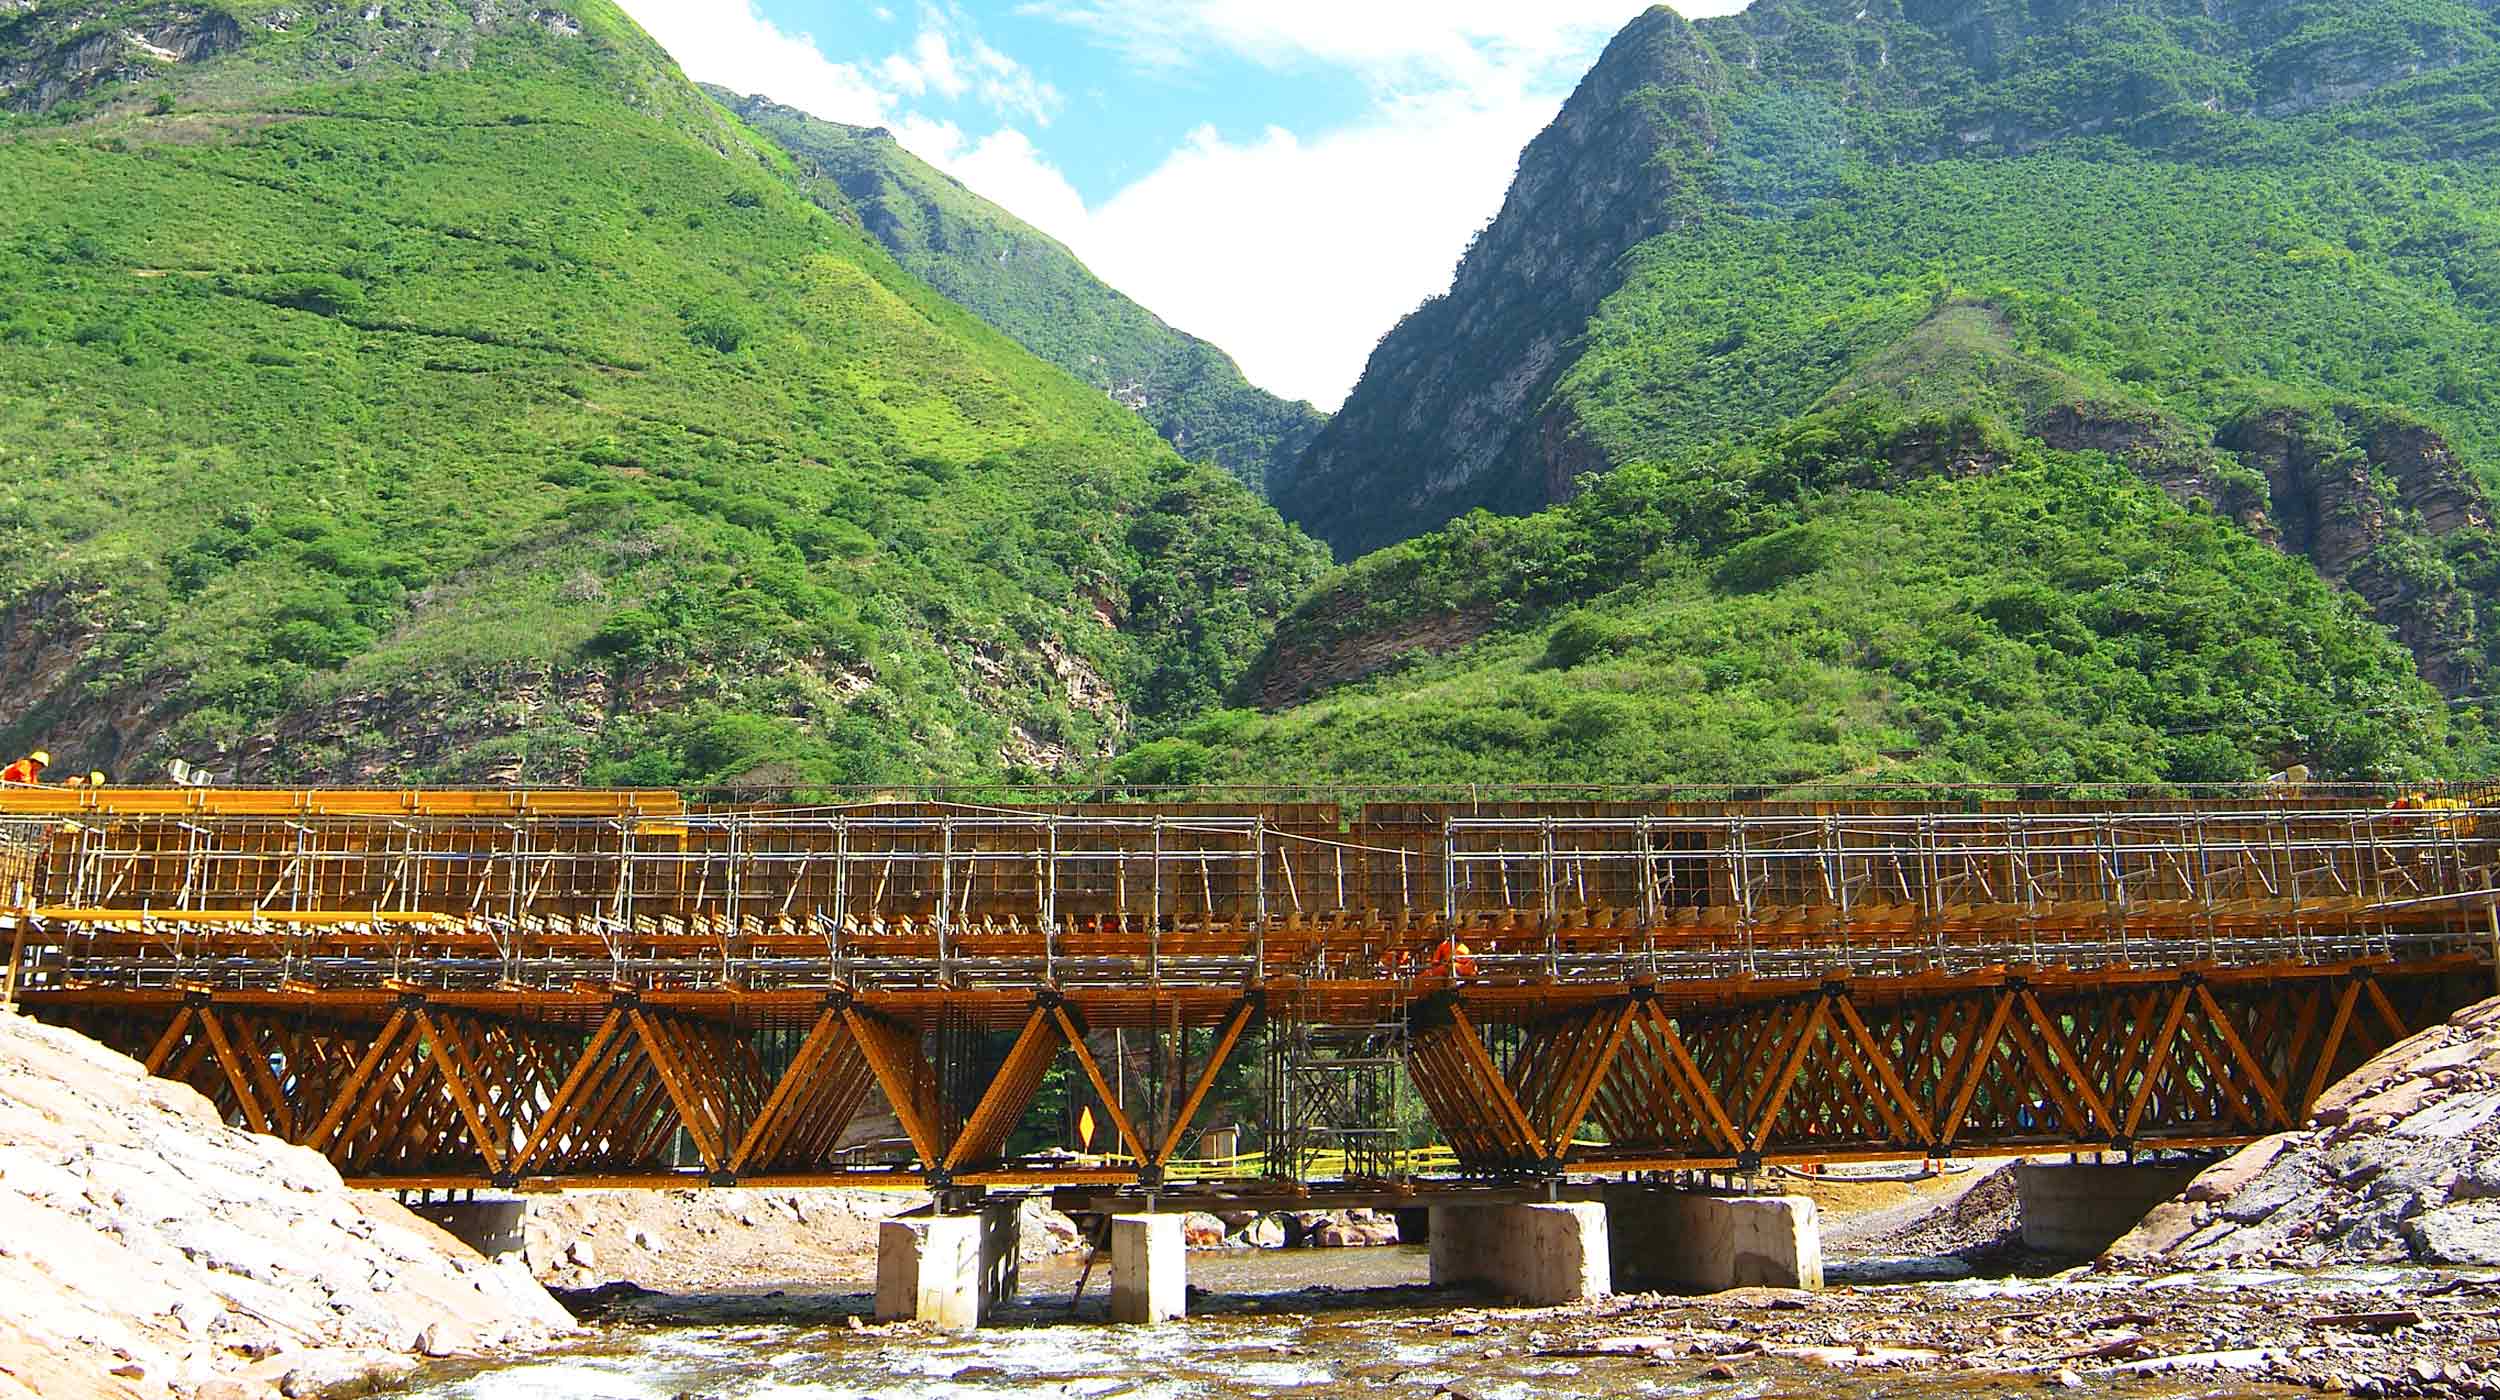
1304 1323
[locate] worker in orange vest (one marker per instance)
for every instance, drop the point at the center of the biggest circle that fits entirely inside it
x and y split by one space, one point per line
1450 955
27 771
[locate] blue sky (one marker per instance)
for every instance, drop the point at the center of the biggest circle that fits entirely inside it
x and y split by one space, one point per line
1283 177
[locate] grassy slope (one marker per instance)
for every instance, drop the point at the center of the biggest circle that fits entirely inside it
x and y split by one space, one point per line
2059 620
1027 284
2203 289
413 385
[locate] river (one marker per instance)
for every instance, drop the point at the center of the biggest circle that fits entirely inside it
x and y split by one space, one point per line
1362 1323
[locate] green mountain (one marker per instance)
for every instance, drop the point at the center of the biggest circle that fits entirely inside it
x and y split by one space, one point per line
451 391
1940 388
1027 284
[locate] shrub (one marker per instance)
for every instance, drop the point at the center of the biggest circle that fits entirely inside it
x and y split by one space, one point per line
1582 638
718 328
1774 559
627 632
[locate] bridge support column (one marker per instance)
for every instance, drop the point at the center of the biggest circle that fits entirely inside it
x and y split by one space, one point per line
1711 1243
1149 1268
948 1271
2082 1208
1540 1254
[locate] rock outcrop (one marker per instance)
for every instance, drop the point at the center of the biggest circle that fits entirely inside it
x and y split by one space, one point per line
2400 1162
1430 431
148 1250
2369 499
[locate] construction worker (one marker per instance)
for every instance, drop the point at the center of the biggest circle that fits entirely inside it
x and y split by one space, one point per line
27 771
1450 956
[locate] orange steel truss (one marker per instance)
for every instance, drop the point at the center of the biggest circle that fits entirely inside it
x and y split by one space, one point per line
532 989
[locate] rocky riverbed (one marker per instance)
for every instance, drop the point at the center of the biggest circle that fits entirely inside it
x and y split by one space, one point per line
148 1250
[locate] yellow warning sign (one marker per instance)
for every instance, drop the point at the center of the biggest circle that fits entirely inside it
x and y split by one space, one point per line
1085 1128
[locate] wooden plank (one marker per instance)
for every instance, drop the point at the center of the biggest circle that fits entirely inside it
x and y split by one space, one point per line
1790 1066
1591 1075
1216 1060
2053 1041
353 1087
822 1038
2256 1072
233 1066
2331 1047
1889 1085
447 1063
692 1113
1102 1087
1520 1141
2162 1043
570 1095
1982 1050
166 1043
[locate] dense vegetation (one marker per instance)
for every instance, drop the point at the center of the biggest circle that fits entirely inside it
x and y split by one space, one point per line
519 417
2231 201
1027 284
1815 609
1857 262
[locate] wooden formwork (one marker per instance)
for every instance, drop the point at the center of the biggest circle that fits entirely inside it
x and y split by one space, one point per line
465 988
413 1088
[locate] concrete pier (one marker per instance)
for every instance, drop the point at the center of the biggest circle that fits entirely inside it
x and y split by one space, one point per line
1710 1243
2082 1208
1149 1268
1540 1254
947 1270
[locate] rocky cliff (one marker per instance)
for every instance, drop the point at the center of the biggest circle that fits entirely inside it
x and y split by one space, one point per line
1446 414
1777 121
149 1250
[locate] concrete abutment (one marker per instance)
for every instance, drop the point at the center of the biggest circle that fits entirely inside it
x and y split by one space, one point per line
1149 1268
1699 1241
948 1271
2082 1208
1540 1254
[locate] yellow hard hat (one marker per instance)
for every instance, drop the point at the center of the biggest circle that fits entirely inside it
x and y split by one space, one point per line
95 779
41 758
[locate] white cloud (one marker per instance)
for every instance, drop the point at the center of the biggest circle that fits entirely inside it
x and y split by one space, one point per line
1297 254
732 45
1294 251
936 63
1390 41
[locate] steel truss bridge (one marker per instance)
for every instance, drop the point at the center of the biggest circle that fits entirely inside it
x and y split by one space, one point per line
444 990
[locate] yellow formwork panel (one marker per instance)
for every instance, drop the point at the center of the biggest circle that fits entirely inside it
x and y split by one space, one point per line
337 802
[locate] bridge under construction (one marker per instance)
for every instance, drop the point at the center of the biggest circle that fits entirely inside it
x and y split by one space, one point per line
514 989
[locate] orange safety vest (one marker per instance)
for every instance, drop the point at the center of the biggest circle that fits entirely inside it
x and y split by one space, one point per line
22 773
1452 954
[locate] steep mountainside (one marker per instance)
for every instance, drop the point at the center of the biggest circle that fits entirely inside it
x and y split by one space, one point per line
1027 284
1972 391
452 391
1866 595
1728 215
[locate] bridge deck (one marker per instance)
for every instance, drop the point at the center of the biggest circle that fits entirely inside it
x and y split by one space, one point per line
446 988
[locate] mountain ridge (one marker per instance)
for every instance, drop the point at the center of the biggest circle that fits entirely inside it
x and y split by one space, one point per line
1031 286
502 410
